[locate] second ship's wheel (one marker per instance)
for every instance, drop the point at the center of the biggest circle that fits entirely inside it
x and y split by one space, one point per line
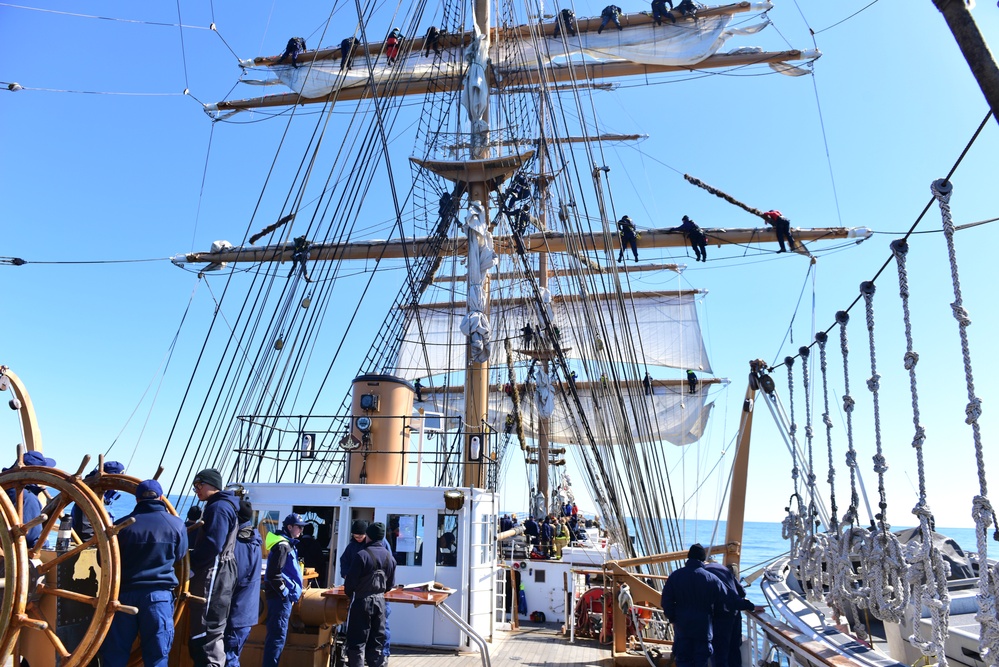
42 590
14 559
100 482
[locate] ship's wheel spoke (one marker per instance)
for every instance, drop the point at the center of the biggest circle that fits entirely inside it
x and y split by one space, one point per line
14 557
53 510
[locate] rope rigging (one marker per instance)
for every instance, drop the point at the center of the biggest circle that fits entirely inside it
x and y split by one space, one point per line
982 512
927 573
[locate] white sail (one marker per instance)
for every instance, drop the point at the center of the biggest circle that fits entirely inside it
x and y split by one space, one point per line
669 334
670 414
686 43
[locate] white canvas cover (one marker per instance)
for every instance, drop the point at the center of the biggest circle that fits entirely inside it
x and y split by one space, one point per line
661 328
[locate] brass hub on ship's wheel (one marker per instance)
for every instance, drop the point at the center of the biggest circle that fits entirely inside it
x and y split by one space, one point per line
36 569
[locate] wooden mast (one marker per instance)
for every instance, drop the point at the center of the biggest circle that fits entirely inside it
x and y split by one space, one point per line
477 373
740 470
974 49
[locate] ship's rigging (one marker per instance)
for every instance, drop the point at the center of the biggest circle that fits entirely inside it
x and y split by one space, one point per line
605 338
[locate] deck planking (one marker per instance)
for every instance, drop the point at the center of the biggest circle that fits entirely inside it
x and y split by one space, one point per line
536 645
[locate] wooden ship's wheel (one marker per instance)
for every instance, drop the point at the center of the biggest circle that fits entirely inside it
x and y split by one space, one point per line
100 482
14 558
39 569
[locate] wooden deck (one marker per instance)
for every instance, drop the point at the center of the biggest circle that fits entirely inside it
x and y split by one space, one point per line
533 644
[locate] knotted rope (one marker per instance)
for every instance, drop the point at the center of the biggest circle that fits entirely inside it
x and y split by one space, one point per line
843 318
813 573
810 477
821 338
793 527
867 289
883 562
884 591
844 589
988 586
927 573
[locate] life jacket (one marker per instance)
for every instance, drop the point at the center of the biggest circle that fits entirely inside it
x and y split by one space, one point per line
290 572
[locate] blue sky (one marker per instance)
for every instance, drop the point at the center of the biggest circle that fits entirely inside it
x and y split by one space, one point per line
120 169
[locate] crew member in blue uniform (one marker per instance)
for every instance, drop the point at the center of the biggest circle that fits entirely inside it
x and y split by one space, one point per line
81 524
359 541
282 585
726 642
213 568
696 236
31 505
150 549
295 46
245 608
629 237
689 599
610 13
370 575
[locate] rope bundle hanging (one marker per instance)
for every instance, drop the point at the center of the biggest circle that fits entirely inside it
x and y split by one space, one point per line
812 570
810 477
982 512
793 527
845 589
821 338
884 591
927 572
852 514
845 593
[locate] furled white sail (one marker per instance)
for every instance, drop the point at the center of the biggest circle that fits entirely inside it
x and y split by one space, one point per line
481 258
686 43
669 333
668 415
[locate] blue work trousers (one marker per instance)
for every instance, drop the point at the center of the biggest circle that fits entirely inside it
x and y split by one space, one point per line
726 641
388 635
605 19
153 625
366 631
278 613
233 641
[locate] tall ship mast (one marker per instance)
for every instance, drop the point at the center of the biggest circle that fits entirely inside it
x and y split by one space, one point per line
498 334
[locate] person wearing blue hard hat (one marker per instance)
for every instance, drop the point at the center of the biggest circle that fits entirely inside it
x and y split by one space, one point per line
31 506
151 547
81 524
282 585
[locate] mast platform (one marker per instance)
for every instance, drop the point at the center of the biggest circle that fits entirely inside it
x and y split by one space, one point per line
488 170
